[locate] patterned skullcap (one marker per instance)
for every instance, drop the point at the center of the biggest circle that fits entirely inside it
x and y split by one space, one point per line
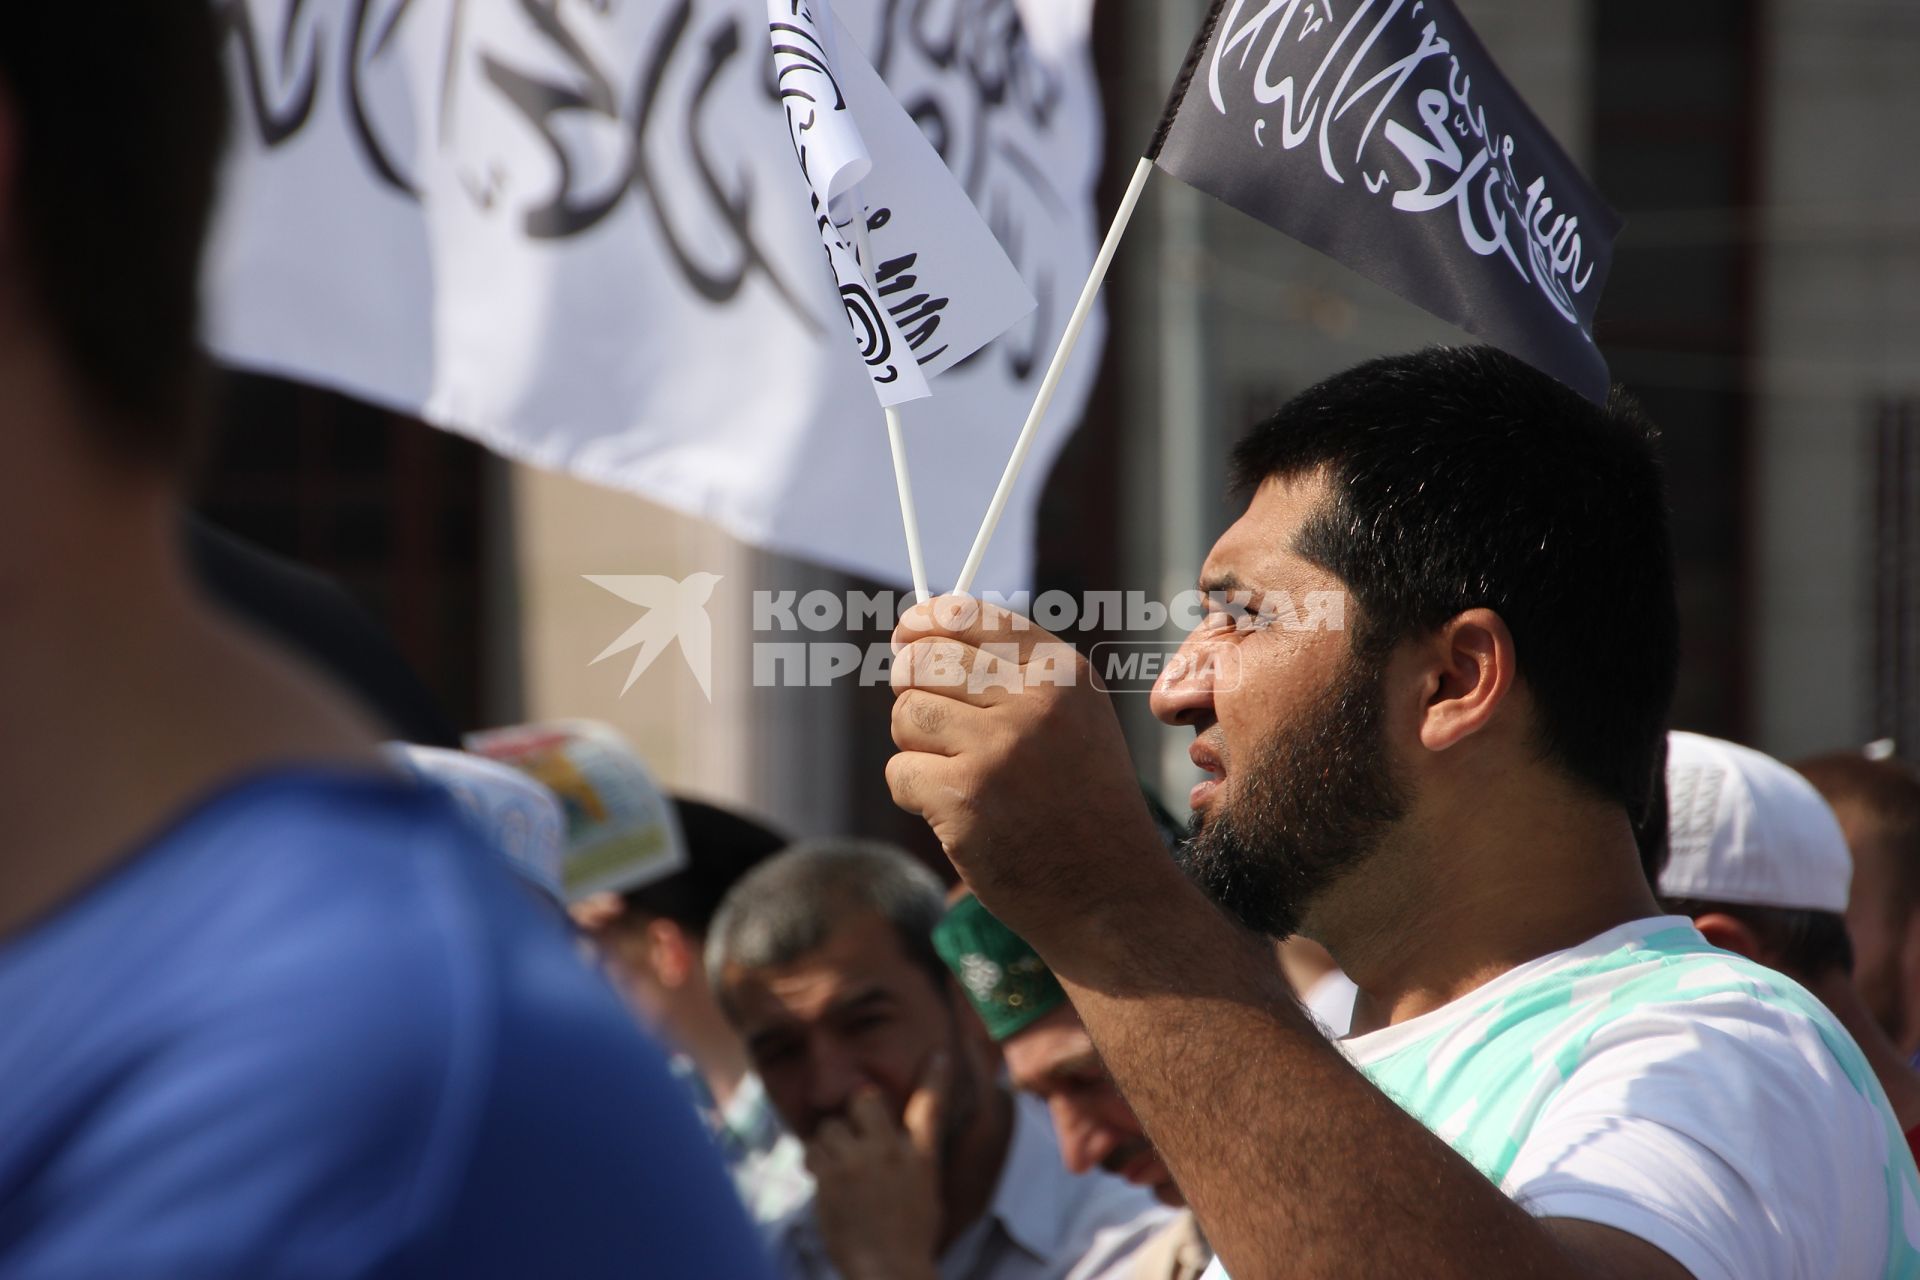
621 830
1745 828
1006 981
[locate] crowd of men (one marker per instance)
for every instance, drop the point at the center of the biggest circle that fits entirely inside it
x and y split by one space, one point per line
279 996
902 1087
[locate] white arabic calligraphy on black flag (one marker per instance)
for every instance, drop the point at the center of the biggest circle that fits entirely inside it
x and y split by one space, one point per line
576 232
863 157
1387 139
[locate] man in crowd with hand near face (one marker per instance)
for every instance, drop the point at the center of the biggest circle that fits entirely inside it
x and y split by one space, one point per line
1544 1076
924 1165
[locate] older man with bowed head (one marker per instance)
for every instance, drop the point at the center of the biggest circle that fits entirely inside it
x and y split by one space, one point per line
924 1164
1543 1076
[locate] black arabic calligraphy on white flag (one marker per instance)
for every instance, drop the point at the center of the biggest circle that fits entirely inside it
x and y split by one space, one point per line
864 158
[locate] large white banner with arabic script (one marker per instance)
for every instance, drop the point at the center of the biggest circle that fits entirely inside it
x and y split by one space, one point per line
574 230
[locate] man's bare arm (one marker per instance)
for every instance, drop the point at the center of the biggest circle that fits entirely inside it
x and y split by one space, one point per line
1294 1162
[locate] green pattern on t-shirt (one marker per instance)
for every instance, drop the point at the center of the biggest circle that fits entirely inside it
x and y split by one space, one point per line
1482 1082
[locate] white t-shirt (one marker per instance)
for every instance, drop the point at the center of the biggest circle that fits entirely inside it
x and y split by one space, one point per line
1329 1002
1652 1083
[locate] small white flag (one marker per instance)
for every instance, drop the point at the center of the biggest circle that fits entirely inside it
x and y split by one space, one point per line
941 287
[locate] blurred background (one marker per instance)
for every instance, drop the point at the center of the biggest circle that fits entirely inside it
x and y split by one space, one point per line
1764 305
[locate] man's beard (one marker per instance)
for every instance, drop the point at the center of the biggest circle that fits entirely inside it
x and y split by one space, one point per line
1310 805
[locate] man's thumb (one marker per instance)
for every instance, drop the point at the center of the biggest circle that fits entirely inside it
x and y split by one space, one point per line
928 1105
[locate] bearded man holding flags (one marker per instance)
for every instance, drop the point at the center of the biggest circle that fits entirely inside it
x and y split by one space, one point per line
1545 1077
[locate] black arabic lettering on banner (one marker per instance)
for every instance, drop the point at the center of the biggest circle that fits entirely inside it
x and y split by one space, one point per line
965 68
818 121
803 79
871 335
284 65
916 315
1395 109
811 96
282 75
986 101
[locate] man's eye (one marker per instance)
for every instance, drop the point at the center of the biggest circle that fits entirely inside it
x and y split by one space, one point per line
1087 1083
1237 609
865 1023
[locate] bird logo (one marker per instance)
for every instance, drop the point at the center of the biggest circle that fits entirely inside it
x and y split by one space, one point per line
674 611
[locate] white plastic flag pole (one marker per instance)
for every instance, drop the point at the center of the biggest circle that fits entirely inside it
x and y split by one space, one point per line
908 516
1051 381
902 482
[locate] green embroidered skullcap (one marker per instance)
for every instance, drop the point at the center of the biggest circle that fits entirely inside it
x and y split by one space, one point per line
1006 982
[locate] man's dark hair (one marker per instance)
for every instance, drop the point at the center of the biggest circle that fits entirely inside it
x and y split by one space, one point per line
119 112
1886 795
1463 478
1650 830
788 908
313 616
1801 943
722 847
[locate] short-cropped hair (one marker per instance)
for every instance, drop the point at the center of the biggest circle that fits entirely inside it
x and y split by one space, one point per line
1806 944
1460 478
786 908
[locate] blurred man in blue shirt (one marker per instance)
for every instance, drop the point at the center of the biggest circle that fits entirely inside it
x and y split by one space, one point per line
265 1009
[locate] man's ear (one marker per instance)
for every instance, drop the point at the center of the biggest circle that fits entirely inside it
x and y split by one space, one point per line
596 913
1731 934
1470 668
672 953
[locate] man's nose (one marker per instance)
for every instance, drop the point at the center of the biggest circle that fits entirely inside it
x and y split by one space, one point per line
833 1078
1183 695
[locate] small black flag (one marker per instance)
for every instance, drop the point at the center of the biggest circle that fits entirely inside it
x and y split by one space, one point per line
1381 133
